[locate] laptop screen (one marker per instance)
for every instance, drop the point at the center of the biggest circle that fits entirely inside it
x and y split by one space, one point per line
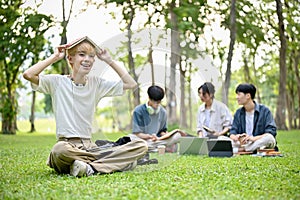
219 148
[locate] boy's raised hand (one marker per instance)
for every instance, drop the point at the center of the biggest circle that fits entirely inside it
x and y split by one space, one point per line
60 52
104 56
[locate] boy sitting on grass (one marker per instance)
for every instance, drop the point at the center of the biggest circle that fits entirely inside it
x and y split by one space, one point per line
74 100
253 125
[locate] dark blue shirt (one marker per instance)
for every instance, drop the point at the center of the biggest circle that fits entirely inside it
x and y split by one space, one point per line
263 121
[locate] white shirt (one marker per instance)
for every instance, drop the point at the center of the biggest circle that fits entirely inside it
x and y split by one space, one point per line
249 123
74 106
207 117
220 117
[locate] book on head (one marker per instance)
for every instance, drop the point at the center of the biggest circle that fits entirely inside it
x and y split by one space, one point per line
79 40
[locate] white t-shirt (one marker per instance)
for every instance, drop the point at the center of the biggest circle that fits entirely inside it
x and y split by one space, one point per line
249 123
207 117
74 106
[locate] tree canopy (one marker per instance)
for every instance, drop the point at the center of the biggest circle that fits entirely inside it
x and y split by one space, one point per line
261 36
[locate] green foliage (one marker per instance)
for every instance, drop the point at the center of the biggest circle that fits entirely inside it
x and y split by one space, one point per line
21 36
190 17
266 87
249 26
24 175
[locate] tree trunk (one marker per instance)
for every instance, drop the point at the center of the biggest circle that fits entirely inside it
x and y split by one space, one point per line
9 115
246 69
230 53
280 116
171 98
131 65
190 97
150 59
290 108
130 108
9 109
8 126
64 65
291 94
258 96
32 115
183 122
296 69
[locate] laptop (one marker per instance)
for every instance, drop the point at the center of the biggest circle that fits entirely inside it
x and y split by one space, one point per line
193 146
219 148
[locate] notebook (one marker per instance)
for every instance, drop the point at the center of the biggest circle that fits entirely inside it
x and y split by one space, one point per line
219 148
193 145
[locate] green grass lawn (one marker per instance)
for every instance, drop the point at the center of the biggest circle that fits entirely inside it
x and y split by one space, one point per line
24 174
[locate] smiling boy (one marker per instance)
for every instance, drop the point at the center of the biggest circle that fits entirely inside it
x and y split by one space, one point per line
253 125
74 100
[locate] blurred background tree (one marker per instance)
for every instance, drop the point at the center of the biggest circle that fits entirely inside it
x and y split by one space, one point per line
22 40
264 43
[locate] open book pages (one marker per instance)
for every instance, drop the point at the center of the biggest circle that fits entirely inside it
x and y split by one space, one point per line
207 129
79 40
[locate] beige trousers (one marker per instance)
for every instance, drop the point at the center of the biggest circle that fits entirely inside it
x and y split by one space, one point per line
268 141
114 159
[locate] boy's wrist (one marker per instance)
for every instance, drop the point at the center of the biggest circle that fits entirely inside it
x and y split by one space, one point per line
54 58
109 62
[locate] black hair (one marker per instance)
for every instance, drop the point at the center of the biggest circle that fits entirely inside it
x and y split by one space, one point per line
155 93
207 88
246 88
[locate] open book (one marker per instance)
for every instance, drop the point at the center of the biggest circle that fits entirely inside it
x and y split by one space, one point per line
169 134
79 40
207 129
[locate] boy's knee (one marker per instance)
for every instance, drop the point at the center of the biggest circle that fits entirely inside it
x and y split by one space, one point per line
269 137
59 149
141 144
270 140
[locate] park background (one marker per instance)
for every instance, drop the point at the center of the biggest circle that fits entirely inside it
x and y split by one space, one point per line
177 44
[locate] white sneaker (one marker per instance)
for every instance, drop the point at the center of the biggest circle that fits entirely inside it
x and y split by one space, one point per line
78 168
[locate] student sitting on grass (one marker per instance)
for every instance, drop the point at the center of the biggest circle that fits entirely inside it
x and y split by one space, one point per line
253 125
74 100
149 123
214 118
